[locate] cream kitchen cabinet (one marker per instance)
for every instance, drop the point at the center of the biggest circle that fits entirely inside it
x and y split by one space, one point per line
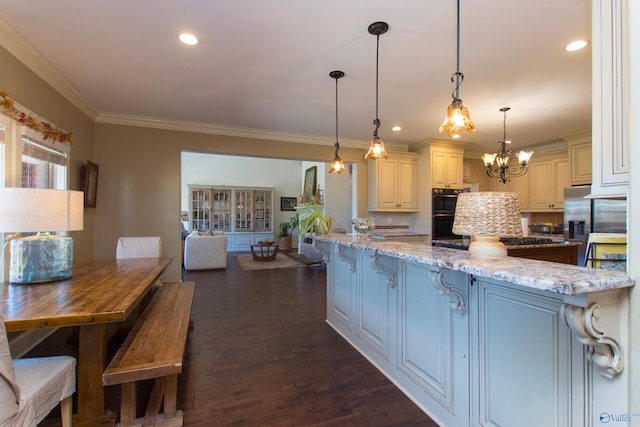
519 185
446 167
393 183
547 181
611 97
580 157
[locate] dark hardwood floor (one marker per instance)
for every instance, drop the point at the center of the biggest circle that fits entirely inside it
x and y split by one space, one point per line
261 354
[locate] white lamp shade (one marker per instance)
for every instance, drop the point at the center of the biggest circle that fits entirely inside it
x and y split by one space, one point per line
31 210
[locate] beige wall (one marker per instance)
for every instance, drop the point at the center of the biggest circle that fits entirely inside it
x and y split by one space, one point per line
27 89
139 185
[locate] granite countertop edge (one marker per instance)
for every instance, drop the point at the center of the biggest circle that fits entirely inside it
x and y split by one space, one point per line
542 275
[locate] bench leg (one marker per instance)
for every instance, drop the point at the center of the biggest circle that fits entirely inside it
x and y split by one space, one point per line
155 401
127 404
170 395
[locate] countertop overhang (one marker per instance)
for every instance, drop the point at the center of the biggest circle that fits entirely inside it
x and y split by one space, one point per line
542 275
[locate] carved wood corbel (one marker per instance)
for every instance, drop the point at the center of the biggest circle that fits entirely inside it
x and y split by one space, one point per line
605 352
344 257
381 269
458 301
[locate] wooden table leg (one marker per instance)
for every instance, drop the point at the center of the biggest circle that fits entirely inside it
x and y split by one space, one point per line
91 364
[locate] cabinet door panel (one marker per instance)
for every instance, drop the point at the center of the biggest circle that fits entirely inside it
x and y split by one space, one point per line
407 190
540 185
454 170
562 179
524 354
342 288
387 183
439 177
374 308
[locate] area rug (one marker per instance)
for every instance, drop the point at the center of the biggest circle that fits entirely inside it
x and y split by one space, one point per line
246 262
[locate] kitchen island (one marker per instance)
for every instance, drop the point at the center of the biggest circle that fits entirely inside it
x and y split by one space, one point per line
495 341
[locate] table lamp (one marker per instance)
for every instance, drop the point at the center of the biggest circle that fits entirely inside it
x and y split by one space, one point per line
487 215
43 257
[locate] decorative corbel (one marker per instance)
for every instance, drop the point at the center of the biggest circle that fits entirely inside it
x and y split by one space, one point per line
458 302
381 269
323 251
605 352
344 257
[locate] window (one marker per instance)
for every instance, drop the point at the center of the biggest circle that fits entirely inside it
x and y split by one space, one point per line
42 165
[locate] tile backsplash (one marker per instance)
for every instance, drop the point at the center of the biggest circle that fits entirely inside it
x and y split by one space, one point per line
542 217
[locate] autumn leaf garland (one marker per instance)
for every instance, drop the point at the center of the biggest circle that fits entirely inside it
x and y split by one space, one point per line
48 130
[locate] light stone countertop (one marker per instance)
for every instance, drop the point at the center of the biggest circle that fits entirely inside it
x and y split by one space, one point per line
543 275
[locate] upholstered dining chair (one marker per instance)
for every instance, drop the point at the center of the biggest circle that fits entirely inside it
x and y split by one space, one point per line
139 247
31 387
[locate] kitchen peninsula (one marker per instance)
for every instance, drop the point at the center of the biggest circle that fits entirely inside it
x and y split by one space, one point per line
494 341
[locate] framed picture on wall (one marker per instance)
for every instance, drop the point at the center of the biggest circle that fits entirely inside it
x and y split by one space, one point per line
288 203
310 184
89 184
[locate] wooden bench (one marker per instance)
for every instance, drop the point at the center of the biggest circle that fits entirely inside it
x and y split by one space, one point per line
154 350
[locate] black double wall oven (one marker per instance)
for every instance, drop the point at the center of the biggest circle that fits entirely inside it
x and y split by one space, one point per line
443 211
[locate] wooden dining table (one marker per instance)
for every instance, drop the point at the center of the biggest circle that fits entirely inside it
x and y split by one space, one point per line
99 292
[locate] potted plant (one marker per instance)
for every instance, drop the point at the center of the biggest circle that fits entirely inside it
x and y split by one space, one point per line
286 229
312 219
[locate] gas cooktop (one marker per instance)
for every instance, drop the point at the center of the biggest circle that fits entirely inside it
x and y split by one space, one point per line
518 241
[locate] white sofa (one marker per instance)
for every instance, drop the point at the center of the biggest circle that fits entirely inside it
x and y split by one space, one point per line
205 251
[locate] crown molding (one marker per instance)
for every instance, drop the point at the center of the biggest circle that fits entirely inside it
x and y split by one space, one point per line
213 129
26 53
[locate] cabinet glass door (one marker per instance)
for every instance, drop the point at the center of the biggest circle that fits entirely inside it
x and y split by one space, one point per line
200 209
244 210
221 210
262 203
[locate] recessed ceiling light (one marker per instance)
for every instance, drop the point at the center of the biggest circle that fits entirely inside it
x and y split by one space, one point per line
576 45
189 39
396 128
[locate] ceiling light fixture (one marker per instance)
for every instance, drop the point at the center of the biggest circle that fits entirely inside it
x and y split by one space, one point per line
498 164
336 166
457 118
377 151
576 45
396 128
189 39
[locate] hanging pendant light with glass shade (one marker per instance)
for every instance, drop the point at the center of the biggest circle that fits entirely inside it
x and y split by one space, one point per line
336 166
457 118
499 164
377 151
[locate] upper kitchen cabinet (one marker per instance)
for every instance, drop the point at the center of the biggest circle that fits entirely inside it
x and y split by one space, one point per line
580 158
609 38
393 183
548 177
446 166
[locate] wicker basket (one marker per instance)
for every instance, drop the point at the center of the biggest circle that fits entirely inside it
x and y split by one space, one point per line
488 213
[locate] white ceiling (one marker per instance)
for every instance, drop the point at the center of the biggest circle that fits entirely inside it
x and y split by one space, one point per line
264 65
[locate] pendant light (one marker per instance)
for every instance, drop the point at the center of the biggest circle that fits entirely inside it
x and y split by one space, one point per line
377 151
499 164
457 118
336 166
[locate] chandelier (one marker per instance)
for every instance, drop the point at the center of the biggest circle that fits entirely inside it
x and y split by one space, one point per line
457 118
499 164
